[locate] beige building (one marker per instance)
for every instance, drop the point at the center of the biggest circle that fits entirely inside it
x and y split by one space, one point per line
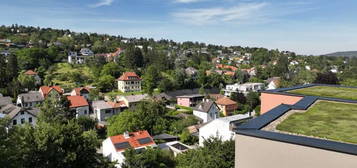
129 82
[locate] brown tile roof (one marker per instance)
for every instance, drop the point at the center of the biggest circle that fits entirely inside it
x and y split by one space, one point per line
225 101
47 89
133 140
117 104
77 101
129 76
30 72
78 90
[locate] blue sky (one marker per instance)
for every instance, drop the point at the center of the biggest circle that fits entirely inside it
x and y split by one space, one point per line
303 26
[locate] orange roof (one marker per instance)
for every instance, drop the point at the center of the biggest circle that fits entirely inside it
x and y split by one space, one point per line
30 72
117 104
77 101
129 76
221 66
225 101
133 140
78 90
230 73
47 89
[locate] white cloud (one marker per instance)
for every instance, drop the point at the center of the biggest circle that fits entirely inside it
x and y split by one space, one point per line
102 3
241 12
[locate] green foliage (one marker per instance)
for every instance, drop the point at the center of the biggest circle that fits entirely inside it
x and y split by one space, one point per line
148 158
147 115
106 83
178 126
112 69
150 78
187 138
326 78
215 153
27 81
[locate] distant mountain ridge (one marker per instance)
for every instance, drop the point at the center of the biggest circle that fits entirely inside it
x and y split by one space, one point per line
343 54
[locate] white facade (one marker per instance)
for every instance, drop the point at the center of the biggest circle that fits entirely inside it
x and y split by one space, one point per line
271 86
243 88
23 117
129 86
110 152
220 127
81 111
212 114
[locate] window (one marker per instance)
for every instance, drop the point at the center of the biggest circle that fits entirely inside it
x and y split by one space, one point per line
22 113
14 122
30 104
85 111
22 120
107 111
30 120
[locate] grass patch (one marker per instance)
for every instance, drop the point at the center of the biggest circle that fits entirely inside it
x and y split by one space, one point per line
328 91
330 120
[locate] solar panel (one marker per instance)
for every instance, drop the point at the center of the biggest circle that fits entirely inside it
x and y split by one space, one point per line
143 141
179 146
122 145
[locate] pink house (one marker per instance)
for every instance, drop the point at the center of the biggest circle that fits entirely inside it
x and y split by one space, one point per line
189 100
272 100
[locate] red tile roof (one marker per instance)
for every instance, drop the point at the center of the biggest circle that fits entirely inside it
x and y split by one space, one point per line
47 89
221 66
77 101
129 76
132 139
225 101
229 73
30 72
117 104
78 90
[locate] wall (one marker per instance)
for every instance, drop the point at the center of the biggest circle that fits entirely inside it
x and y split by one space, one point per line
216 128
25 116
183 102
270 101
201 115
254 152
81 111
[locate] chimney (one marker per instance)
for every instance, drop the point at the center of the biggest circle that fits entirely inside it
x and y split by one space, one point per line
126 135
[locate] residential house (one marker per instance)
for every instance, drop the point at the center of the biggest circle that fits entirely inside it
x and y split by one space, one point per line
104 110
51 90
79 58
189 100
34 75
132 100
273 83
129 82
221 128
207 110
30 99
226 106
243 88
114 146
79 105
4 101
18 115
81 91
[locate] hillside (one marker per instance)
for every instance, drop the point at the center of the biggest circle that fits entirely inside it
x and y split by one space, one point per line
343 54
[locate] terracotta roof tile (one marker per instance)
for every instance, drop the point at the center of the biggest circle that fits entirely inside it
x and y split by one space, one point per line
30 72
78 90
225 101
129 76
47 89
133 139
77 101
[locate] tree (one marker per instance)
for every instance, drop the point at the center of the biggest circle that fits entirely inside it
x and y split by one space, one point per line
326 78
148 158
133 57
55 109
282 66
215 153
238 97
147 115
12 68
27 81
106 83
253 100
151 78
112 69
3 76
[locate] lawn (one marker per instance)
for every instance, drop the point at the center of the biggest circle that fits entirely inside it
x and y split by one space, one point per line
328 91
330 120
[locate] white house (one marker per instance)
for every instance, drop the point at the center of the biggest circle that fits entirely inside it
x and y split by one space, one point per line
19 116
273 83
129 82
207 110
30 99
103 110
75 58
79 104
114 146
243 88
221 127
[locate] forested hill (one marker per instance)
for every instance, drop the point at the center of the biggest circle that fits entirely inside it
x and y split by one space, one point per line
343 54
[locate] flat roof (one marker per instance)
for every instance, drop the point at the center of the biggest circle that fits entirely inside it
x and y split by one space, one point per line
334 121
320 122
328 91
